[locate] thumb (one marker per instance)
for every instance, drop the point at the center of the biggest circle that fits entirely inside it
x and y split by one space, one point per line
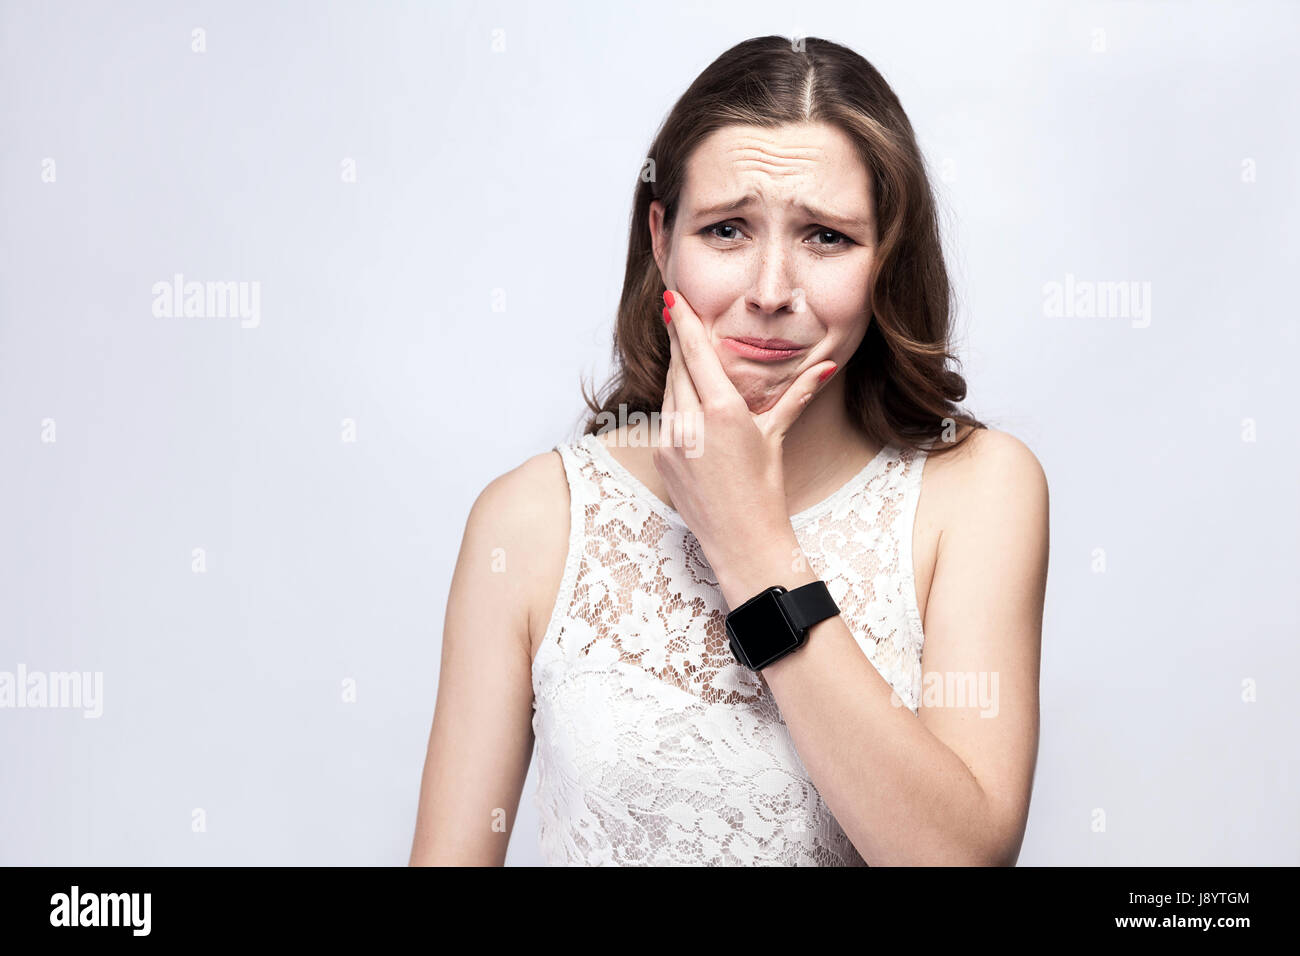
796 398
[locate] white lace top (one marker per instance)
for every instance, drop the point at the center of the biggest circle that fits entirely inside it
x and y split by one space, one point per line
654 746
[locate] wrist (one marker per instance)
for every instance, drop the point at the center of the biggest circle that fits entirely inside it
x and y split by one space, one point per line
778 560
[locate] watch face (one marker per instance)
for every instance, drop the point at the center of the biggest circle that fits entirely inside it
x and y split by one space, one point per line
760 627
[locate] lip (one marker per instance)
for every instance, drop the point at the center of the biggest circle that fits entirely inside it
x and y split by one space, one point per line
764 350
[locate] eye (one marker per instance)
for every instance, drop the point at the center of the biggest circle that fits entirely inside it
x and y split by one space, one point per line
711 231
844 240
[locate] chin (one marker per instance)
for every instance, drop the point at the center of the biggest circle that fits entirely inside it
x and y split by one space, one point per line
761 395
759 406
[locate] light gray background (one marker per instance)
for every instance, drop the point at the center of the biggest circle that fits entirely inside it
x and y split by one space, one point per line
482 170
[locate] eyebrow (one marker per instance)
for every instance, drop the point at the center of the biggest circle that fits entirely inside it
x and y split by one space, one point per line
821 215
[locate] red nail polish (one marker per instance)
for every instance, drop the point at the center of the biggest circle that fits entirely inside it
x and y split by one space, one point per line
668 298
667 318
827 374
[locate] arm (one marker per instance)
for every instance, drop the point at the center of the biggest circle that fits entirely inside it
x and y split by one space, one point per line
948 785
481 741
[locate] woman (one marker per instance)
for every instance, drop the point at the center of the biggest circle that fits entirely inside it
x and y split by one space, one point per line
786 311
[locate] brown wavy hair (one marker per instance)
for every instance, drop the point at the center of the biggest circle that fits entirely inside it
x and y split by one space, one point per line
898 384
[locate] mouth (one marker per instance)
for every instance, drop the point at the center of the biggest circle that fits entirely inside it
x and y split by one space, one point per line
764 350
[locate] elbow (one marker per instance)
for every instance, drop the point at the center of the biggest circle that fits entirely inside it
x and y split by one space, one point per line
956 852
1000 831
1002 845
1002 854
999 852
987 843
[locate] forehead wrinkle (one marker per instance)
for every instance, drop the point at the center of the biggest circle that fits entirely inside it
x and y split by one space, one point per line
771 169
795 159
759 170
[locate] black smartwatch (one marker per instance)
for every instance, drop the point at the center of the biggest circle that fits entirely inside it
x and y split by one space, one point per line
775 622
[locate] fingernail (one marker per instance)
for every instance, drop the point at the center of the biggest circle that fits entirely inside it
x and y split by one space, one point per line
668 298
667 318
827 374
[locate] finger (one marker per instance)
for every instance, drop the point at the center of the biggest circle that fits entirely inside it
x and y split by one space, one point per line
684 390
685 401
706 372
668 409
688 423
778 419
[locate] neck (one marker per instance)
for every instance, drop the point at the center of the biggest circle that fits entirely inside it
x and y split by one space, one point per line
823 447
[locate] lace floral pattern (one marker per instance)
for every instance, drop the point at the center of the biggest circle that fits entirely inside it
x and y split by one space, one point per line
654 745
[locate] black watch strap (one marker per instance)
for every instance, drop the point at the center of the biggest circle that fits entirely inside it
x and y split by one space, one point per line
808 604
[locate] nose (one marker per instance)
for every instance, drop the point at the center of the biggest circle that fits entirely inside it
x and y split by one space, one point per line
772 287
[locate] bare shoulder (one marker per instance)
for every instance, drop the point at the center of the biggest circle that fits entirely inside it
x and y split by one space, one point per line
969 489
527 496
526 509
520 522
988 466
989 504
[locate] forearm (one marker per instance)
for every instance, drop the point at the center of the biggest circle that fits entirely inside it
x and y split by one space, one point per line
901 795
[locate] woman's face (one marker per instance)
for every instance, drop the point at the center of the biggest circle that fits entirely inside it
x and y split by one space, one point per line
789 261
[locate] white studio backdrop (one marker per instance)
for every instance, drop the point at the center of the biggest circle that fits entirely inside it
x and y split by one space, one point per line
245 522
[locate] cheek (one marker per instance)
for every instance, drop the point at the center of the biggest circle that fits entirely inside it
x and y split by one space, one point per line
838 298
842 309
712 283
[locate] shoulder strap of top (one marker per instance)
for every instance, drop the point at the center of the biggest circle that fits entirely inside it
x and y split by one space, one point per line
582 492
906 531
589 474
577 465
916 459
